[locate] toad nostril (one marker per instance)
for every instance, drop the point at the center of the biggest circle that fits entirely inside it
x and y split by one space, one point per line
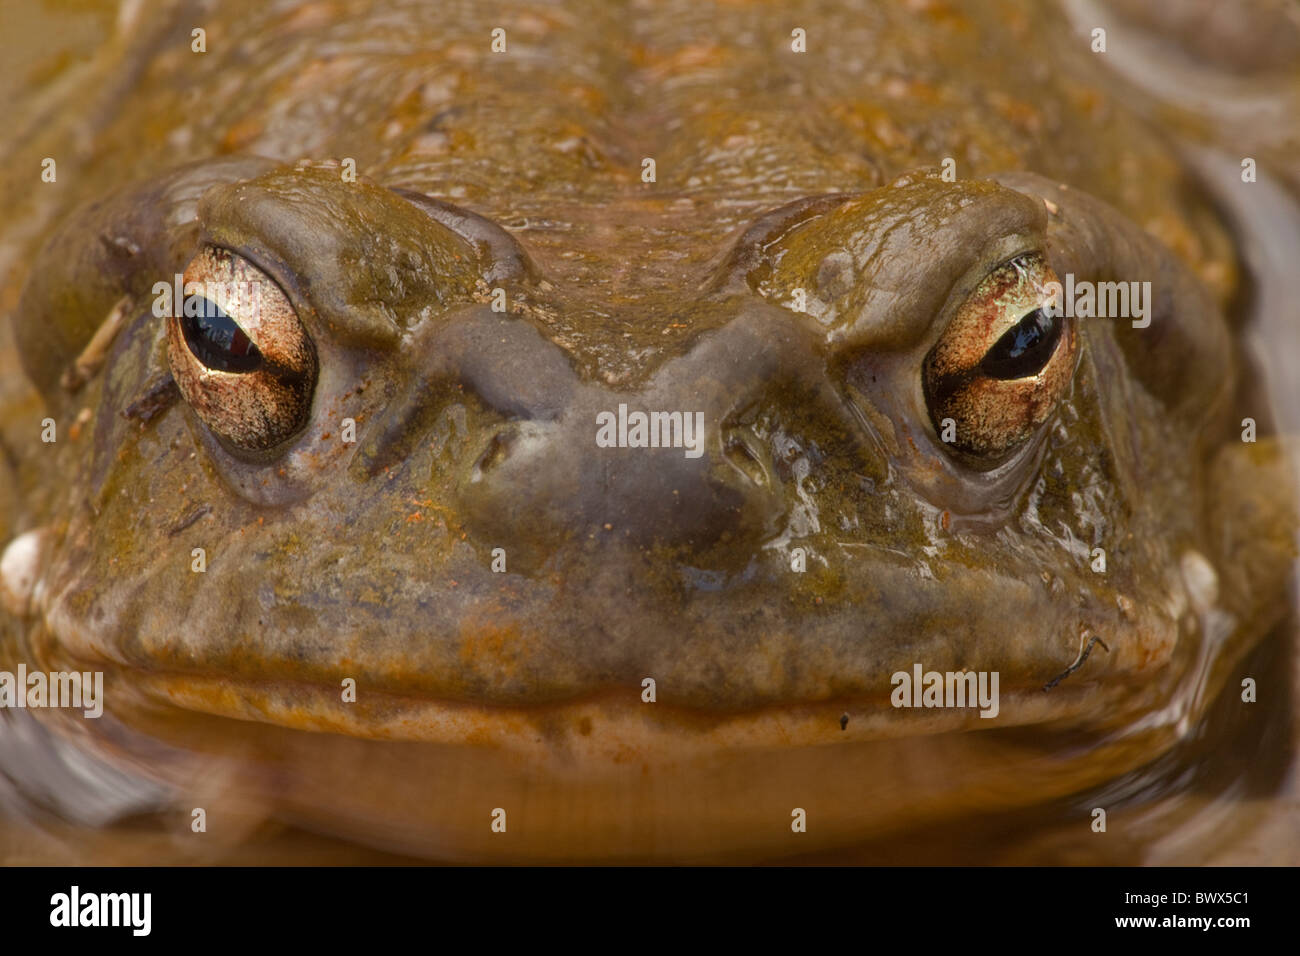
497 450
743 450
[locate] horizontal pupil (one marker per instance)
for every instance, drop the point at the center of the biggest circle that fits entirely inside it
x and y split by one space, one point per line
216 339
1025 348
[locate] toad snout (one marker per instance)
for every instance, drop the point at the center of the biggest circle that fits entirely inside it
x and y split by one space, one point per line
668 463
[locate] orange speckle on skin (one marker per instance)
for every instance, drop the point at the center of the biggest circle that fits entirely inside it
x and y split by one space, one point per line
242 133
489 645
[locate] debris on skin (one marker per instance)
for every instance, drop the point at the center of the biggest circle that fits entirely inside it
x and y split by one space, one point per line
95 353
82 420
157 397
189 520
844 721
1078 661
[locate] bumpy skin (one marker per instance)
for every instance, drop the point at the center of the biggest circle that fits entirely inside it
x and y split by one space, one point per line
521 170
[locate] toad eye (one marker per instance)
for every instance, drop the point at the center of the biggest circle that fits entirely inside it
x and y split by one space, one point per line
1002 363
1025 348
239 353
216 339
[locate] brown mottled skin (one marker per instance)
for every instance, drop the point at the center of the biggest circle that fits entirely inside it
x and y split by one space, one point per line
475 429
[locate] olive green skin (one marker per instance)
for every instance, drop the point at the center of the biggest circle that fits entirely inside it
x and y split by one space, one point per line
328 561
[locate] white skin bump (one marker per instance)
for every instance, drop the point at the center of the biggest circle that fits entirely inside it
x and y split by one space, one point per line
20 569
